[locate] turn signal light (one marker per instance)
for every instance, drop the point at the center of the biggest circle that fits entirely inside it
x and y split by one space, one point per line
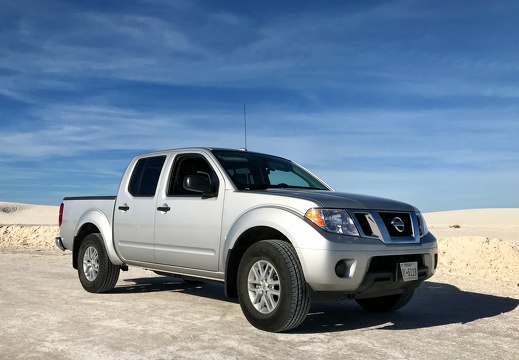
315 216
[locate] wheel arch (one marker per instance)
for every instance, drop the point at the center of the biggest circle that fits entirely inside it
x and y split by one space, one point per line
94 221
265 223
235 254
85 230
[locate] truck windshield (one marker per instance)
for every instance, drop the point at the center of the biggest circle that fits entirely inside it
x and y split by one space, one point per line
250 171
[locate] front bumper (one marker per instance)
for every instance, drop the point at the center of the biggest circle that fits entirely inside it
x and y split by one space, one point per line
356 267
359 274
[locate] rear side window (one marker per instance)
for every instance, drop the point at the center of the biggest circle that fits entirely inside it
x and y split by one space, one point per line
145 176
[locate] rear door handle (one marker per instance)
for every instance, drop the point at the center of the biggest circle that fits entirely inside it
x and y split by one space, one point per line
164 208
124 207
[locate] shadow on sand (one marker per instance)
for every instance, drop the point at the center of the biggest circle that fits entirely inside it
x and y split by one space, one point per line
163 283
434 304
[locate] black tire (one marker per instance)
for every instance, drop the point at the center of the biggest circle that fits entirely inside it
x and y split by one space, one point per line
386 303
96 272
280 302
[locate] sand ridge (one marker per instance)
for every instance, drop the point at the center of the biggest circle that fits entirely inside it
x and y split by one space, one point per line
29 236
485 260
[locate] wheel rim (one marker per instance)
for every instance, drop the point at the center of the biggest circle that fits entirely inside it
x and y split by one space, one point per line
264 286
91 263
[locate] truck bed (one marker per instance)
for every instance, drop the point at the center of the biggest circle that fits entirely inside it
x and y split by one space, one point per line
76 208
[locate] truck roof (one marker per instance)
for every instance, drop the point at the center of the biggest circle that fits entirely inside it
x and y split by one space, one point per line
200 148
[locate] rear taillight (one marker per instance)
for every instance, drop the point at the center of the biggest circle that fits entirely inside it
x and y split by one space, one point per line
60 218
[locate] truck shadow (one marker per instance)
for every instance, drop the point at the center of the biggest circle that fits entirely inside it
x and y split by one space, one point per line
163 283
434 304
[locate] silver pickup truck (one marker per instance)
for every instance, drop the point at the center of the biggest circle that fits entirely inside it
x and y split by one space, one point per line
273 233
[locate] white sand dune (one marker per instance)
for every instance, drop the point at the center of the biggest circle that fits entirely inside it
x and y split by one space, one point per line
475 217
28 226
492 223
482 244
479 244
26 214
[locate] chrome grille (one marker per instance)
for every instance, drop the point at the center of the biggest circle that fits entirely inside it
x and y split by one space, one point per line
364 223
398 224
391 227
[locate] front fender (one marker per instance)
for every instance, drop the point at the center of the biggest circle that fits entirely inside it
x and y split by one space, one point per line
98 219
275 217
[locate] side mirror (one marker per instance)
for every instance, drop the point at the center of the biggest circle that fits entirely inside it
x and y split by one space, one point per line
198 183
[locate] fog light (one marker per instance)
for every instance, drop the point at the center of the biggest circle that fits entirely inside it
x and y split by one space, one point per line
341 269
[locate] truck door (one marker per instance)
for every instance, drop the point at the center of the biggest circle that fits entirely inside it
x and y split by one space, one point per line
188 224
135 209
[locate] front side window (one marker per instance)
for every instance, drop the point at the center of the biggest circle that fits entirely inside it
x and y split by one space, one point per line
145 177
188 165
250 171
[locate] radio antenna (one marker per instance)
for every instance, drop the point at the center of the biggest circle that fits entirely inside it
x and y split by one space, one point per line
245 123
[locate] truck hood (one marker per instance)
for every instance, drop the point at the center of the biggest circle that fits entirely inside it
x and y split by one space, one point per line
339 200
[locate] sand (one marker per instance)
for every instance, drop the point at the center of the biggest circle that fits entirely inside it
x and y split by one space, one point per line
26 214
28 226
491 223
480 245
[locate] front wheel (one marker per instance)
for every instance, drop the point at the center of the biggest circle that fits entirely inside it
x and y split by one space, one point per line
386 303
96 272
272 291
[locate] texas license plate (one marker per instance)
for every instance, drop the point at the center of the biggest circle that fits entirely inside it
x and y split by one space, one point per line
409 270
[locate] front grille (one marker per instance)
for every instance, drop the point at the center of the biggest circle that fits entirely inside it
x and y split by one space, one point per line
394 226
364 223
389 263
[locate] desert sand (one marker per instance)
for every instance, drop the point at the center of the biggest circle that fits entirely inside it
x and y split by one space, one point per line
478 244
28 226
26 214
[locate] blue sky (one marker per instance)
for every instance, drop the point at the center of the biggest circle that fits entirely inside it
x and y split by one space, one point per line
412 100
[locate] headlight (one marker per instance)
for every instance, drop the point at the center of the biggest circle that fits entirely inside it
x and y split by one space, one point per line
422 224
333 220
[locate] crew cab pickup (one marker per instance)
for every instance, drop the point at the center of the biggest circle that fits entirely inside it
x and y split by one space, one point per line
273 233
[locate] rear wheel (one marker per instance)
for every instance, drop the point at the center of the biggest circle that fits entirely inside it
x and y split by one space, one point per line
272 291
386 303
96 272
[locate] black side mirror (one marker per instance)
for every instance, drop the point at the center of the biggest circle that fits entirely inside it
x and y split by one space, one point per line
198 183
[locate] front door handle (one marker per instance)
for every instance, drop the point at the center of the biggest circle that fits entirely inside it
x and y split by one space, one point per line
164 208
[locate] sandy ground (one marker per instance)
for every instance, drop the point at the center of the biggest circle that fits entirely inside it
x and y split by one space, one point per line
468 310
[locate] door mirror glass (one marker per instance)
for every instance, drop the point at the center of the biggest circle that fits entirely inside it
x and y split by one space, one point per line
197 183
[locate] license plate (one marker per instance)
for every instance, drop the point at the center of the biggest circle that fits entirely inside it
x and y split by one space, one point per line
409 270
